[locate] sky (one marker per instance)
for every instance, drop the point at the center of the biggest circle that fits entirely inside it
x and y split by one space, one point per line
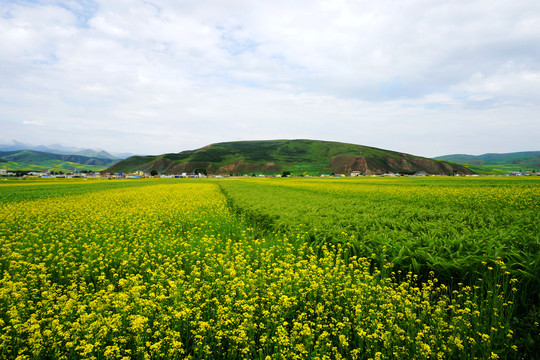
424 77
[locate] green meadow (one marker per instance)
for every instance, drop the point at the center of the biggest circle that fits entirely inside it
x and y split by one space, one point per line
51 165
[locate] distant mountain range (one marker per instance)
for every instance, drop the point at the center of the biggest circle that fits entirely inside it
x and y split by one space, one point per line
497 163
313 157
64 150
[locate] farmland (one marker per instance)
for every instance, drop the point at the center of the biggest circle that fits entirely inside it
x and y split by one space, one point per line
269 268
448 225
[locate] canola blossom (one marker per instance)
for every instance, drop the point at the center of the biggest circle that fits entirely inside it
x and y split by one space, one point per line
162 269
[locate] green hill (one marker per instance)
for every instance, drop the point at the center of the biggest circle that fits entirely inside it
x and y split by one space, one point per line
101 154
311 157
498 163
39 160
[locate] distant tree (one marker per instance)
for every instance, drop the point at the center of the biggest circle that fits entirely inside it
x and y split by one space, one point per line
153 172
200 171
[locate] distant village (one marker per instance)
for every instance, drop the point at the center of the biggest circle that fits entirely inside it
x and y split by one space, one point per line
46 174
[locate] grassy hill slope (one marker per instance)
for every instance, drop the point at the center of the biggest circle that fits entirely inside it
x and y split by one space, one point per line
312 157
498 163
102 154
38 160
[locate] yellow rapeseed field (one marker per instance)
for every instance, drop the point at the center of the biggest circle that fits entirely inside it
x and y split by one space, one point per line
169 271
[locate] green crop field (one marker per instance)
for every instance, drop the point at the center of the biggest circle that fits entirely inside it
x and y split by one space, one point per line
283 268
502 169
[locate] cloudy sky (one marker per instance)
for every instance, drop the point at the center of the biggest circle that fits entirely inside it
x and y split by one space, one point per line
425 77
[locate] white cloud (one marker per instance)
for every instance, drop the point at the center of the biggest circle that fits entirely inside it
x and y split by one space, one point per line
426 77
33 122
